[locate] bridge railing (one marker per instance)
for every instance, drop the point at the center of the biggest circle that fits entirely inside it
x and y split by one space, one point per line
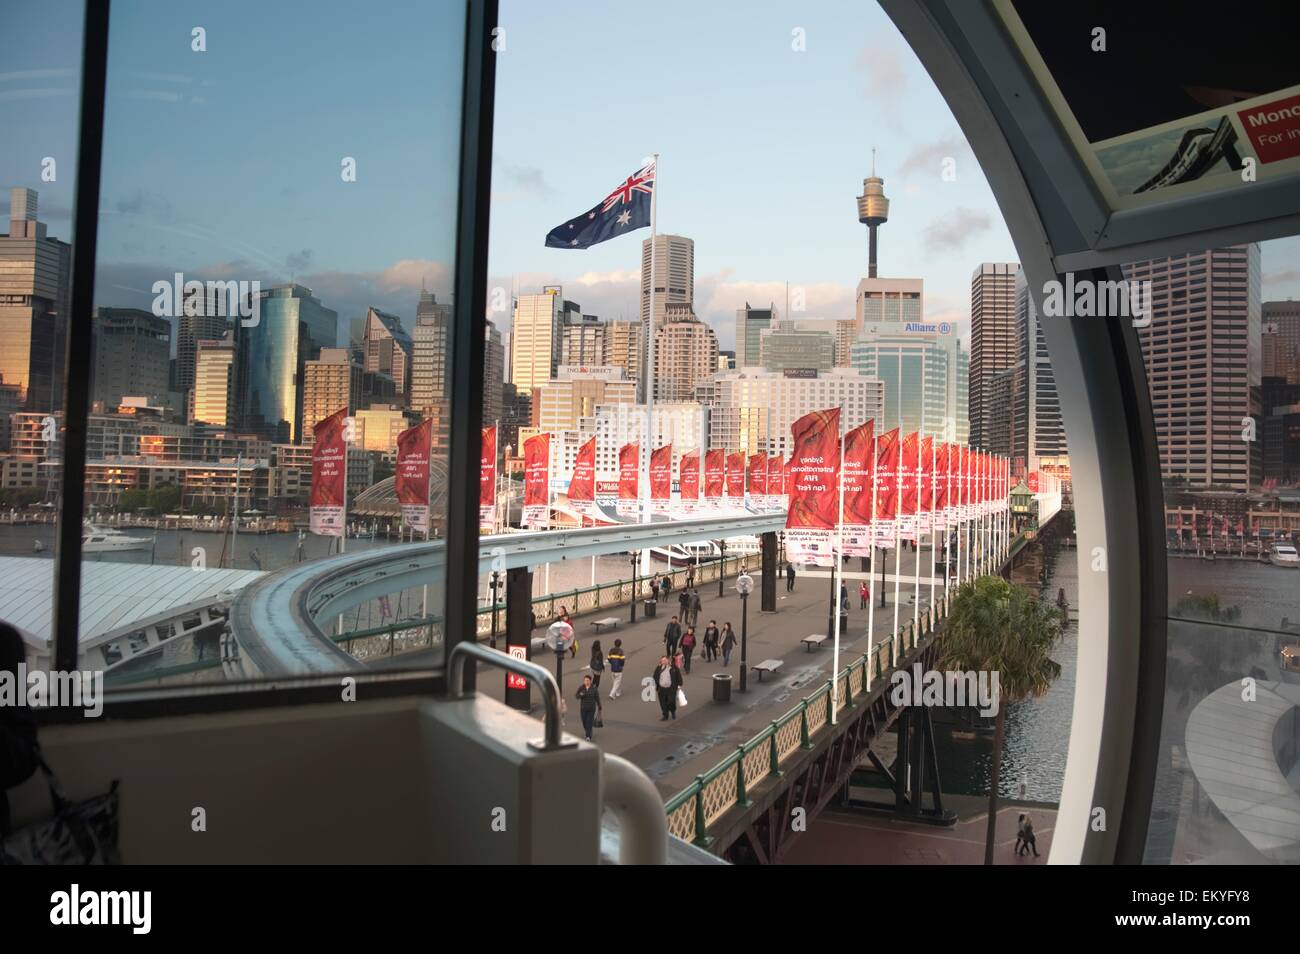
696 808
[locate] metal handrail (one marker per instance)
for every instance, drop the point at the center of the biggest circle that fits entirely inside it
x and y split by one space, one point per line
550 690
633 798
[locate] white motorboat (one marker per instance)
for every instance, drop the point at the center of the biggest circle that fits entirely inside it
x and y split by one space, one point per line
107 540
1283 554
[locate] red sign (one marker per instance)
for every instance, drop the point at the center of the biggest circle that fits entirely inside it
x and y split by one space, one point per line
661 473
814 500
582 485
329 456
907 474
925 495
941 478
1273 128
629 465
776 478
757 475
736 475
411 478
887 456
487 480
689 479
714 468
537 480
1033 481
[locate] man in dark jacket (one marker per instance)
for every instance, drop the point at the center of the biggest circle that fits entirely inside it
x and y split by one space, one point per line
672 633
696 606
789 577
684 601
588 701
668 679
616 659
17 725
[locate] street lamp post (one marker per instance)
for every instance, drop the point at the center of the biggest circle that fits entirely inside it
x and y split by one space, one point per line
722 563
635 558
744 586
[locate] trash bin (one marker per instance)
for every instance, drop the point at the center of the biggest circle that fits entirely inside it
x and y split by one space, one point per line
650 606
722 687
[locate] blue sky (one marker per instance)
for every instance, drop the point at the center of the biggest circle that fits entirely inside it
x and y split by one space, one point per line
226 163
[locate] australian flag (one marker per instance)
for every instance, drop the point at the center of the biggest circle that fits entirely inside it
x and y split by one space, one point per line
624 209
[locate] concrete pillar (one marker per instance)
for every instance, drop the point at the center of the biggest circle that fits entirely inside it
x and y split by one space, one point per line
768 575
519 631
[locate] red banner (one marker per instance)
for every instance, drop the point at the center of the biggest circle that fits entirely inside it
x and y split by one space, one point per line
887 457
661 477
757 479
582 485
714 469
537 481
689 478
629 479
329 455
776 481
925 493
814 500
411 478
736 478
858 470
941 481
487 481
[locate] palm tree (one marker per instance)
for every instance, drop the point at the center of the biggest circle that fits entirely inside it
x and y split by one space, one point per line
996 626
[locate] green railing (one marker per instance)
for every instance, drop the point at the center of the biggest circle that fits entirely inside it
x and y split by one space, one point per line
729 783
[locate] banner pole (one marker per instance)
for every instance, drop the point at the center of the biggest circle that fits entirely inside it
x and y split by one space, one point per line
839 581
649 383
871 527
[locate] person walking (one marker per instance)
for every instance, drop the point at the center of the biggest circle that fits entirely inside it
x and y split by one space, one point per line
588 702
711 641
684 602
696 606
864 594
728 643
564 617
668 679
616 659
690 577
654 589
688 647
789 577
667 586
1030 842
672 634
597 667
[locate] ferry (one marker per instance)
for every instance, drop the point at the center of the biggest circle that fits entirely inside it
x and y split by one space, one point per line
1283 554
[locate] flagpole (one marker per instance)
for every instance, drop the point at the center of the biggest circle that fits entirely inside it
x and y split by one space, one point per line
898 507
839 582
649 383
916 529
871 527
934 526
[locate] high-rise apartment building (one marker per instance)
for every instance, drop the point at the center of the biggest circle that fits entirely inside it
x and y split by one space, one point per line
750 325
203 317
993 342
1039 433
494 361
1278 359
377 426
429 349
535 338
623 348
583 342
686 353
1285 317
387 349
331 382
35 294
211 398
132 356
576 392
674 275
1202 355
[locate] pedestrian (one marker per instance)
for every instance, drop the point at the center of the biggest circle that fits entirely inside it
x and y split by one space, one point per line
696 606
672 633
588 702
1031 843
863 595
597 666
616 658
728 643
711 641
668 679
690 577
666 587
684 601
688 647
564 616
789 577
844 598
654 589
1020 832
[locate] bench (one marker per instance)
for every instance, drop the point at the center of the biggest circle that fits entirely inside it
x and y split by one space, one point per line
767 665
609 622
815 641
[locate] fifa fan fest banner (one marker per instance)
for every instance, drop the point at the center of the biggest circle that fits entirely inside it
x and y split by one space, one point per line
329 476
907 467
758 481
887 458
815 499
411 479
537 481
714 470
941 482
925 496
661 478
487 481
736 480
629 480
688 480
858 470
775 471
582 485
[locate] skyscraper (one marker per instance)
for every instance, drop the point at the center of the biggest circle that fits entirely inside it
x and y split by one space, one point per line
1202 355
1039 431
583 342
993 343
132 356
918 364
674 275
387 349
202 318
35 292
429 353
686 353
623 347
535 338
779 349
214 374
750 325
330 382
292 328
494 360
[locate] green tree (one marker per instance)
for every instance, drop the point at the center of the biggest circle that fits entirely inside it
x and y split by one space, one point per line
995 626
133 499
165 498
